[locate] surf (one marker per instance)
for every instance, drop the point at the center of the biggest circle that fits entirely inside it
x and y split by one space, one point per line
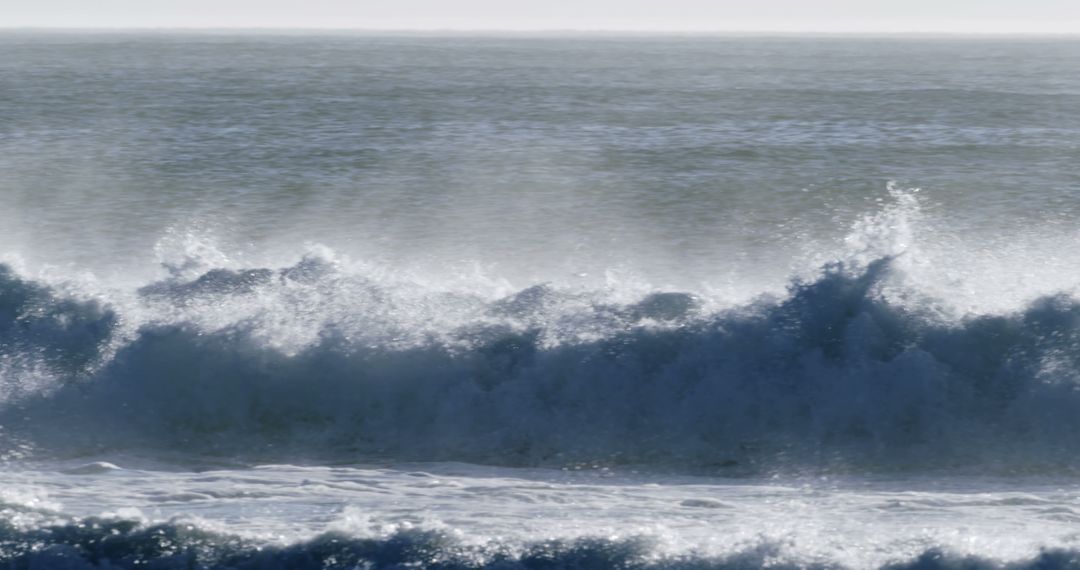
314 360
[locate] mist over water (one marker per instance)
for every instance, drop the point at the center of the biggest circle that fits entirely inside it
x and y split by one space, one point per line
538 302
680 162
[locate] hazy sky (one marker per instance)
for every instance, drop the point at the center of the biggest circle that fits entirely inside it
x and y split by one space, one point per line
767 15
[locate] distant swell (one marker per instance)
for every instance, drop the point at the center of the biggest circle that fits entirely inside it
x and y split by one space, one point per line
122 544
832 374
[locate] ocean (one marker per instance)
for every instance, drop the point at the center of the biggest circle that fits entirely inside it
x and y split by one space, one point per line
355 300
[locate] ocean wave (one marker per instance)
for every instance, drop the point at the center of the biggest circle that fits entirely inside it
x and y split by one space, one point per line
119 543
834 373
39 324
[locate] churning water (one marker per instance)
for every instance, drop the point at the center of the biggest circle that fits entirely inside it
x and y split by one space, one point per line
307 301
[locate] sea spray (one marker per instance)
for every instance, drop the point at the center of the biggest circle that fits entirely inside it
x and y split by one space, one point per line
313 360
383 300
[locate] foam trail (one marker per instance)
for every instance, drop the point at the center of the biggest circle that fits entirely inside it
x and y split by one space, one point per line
123 543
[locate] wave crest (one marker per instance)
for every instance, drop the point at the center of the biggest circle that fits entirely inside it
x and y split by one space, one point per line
830 374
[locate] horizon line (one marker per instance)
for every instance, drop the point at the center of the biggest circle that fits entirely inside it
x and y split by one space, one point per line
542 31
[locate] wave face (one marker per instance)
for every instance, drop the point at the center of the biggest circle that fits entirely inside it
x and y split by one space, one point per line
62 333
316 361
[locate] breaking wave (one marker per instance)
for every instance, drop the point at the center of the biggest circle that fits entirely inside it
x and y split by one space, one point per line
844 369
832 373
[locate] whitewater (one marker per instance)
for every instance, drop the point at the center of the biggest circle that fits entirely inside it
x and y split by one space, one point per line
393 301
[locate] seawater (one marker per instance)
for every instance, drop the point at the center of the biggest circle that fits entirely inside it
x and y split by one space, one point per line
538 301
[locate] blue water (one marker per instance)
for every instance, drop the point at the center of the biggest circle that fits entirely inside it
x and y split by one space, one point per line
348 300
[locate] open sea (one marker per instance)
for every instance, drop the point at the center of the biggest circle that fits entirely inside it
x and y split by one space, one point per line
298 300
